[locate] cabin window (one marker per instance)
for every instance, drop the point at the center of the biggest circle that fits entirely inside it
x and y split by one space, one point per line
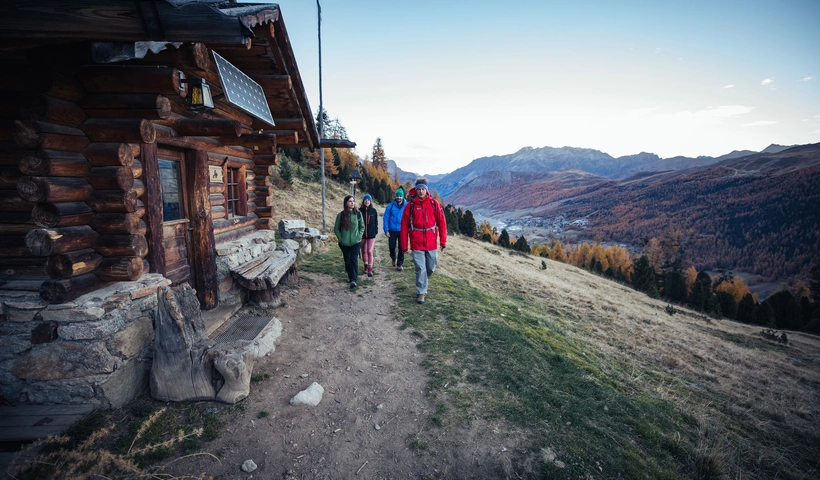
169 179
234 187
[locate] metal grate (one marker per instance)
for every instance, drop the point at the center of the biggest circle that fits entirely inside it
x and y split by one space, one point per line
246 327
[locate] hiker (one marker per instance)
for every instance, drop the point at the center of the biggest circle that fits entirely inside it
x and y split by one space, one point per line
371 231
349 228
424 223
392 227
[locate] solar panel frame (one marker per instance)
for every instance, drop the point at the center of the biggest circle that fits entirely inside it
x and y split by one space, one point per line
241 91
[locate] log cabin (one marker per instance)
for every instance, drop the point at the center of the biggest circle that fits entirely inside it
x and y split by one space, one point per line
136 143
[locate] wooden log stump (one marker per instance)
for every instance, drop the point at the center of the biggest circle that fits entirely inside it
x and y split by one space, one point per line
116 223
147 106
51 241
73 264
61 291
53 189
51 163
122 245
114 201
47 136
136 130
54 215
115 154
180 370
111 178
120 269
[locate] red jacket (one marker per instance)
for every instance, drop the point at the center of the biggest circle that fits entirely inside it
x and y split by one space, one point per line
422 221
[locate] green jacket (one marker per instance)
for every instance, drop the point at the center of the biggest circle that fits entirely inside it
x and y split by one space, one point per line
354 235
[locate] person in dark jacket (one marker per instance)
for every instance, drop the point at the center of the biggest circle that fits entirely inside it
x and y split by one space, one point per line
371 231
349 228
392 227
423 223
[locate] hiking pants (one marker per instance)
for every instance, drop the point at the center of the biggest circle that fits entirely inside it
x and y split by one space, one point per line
393 242
425 262
351 257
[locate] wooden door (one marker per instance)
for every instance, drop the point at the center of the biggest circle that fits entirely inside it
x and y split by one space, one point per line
176 226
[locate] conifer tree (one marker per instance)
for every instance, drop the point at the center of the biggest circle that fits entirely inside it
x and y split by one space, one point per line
727 304
746 309
504 239
674 286
467 224
377 156
557 251
522 245
643 278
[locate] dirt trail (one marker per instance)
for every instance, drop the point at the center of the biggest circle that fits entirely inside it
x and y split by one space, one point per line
349 342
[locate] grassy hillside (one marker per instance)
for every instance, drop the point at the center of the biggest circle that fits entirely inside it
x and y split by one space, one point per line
589 377
602 379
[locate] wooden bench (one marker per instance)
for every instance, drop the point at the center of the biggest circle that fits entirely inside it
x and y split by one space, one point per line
263 276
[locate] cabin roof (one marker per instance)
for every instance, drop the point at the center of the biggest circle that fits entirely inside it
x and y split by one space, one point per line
250 36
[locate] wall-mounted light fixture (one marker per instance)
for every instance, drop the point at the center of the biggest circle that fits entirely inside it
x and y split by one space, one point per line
200 93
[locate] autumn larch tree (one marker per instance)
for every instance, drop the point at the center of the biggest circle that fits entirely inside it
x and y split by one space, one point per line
377 156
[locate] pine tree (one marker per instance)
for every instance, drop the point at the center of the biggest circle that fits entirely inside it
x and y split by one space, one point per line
522 245
286 171
727 304
504 239
467 224
675 286
643 278
746 309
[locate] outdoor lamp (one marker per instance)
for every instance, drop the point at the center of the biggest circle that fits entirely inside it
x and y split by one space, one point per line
354 177
200 93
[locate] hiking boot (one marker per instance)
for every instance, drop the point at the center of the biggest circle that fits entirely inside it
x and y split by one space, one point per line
353 284
370 273
420 298
400 268
394 263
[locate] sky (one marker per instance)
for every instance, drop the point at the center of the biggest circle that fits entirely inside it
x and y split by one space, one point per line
445 82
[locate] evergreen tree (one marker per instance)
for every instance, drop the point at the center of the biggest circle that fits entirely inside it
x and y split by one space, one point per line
675 286
697 298
486 237
504 239
814 285
285 171
467 224
451 219
786 310
643 277
727 304
377 156
764 315
746 309
522 245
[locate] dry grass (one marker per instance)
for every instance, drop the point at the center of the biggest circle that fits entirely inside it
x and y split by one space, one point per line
755 397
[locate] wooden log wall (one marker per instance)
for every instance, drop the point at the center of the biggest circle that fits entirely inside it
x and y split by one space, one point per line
71 176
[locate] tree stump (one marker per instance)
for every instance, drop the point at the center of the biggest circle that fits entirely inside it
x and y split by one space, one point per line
180 370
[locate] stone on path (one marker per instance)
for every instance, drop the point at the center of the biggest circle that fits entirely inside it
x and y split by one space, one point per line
309 396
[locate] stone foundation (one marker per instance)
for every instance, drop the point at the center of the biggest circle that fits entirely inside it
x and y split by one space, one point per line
96 349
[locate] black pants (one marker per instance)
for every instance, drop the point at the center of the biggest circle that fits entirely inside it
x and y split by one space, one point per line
351 256
394 244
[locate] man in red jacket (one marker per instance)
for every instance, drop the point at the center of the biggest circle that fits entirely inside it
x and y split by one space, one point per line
424 224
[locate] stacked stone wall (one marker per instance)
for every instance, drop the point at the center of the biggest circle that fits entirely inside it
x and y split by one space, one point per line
96 349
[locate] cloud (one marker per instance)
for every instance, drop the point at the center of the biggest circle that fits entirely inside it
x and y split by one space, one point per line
806 79
767 81
759 123
729 86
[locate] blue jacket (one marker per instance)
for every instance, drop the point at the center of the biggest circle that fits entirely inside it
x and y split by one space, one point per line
392 216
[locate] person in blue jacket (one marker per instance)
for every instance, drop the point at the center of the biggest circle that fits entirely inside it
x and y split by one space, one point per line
392 227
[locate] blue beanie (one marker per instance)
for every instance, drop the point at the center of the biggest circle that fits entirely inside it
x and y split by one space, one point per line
367 197
421 182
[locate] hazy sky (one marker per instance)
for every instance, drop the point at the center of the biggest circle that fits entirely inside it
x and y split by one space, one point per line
445 82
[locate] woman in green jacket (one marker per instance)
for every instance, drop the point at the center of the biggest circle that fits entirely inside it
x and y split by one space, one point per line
349 228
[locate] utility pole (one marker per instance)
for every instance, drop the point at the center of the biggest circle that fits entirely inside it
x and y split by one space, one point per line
321 119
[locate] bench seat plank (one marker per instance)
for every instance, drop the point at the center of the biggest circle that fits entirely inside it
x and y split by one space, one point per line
265 271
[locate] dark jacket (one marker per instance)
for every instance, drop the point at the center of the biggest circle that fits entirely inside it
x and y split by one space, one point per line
371 222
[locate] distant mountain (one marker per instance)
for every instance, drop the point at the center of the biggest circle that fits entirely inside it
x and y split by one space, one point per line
392 167
756 213
549 159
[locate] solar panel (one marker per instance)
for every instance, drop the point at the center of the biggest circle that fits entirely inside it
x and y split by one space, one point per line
242 91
